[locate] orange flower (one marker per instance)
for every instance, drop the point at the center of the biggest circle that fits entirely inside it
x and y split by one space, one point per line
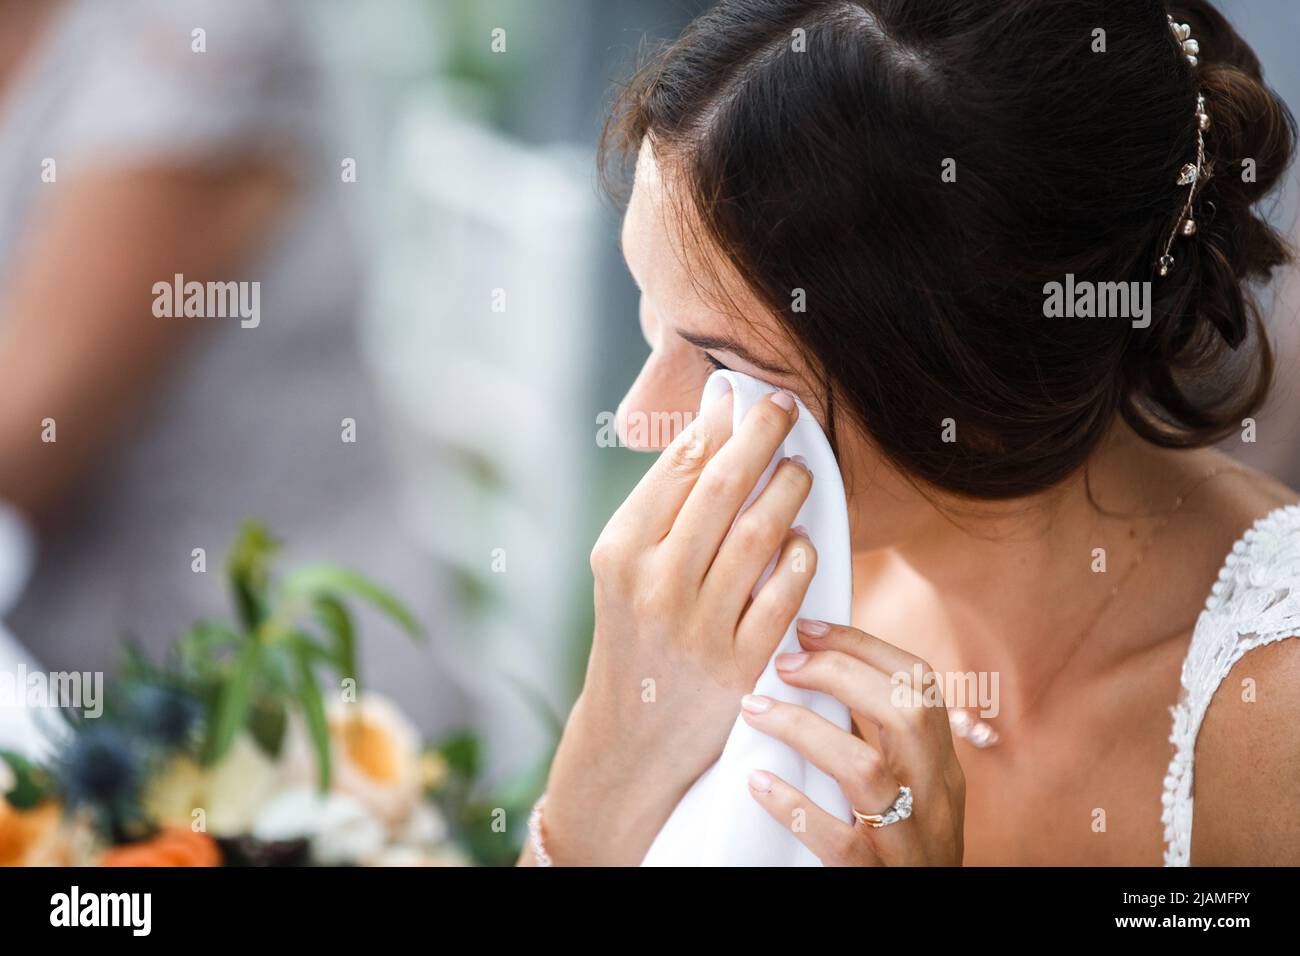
174 846
22 831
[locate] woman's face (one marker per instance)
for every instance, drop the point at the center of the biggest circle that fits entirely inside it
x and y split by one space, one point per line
691 333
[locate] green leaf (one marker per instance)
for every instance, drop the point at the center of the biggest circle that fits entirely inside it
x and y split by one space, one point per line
313 708
248 566
267 723
314 648
32 785
136 664
234 701
461 751
200 648
334 617
277 670
327 580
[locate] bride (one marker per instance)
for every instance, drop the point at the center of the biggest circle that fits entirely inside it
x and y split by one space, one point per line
863 203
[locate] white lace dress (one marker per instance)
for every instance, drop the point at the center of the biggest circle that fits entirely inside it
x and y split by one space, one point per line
1256 601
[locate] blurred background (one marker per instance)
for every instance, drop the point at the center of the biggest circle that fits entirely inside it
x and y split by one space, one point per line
413 184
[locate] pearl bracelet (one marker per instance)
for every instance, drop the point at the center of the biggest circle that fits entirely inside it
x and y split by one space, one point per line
540 856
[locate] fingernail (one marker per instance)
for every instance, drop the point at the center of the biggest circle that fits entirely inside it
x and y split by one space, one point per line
760 781
811 627
801 531
801 461
791 662
783 400
756 703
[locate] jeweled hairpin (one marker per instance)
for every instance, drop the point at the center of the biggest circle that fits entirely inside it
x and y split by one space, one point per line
1192 175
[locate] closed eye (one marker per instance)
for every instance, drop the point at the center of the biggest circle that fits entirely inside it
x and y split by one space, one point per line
707 342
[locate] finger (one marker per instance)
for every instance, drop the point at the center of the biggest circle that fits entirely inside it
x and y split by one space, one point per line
756 536
648 513
885 657
914 738
830 839
726 482
862 772
768 616
914 688
859 769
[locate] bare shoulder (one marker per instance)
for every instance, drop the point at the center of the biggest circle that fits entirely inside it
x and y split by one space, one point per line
1242 495
1213 520
1247 784
1247 777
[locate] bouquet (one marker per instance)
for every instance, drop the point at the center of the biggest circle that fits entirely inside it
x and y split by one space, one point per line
253 744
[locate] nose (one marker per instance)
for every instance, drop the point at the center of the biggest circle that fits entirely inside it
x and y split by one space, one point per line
659 404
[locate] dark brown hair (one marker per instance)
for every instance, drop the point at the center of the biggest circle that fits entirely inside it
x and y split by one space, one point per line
810 138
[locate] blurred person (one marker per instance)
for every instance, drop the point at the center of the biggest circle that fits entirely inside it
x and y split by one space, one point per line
764 166
145 144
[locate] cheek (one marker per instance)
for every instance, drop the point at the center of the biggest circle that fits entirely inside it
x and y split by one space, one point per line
662 401
883 504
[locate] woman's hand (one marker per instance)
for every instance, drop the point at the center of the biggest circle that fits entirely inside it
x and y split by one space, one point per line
678 639
915 751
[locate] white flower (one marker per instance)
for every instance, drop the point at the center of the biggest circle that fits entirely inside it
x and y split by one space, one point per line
230 792
338 827
413 856
374 753
425 827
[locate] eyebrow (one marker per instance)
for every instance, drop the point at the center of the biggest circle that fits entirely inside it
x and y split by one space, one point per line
717 344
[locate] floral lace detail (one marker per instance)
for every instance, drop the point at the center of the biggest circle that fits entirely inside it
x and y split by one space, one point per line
1255 601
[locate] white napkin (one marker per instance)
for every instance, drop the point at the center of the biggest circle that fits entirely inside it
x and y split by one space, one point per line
718 823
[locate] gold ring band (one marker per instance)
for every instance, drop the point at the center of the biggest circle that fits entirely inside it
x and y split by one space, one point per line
900 809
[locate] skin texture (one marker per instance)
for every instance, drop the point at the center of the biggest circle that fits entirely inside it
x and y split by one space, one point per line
1252 750
1088 662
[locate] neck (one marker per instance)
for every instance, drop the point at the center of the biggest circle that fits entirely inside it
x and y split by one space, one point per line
1021 585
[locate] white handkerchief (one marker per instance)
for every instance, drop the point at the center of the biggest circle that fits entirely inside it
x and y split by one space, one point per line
718 823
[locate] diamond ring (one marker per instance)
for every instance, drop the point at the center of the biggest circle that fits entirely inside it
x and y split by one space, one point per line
900 809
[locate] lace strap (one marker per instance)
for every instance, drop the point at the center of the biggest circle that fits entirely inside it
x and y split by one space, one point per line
1255 601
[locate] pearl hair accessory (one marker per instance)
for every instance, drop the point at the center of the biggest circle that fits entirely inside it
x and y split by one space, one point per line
1183 34
1191 175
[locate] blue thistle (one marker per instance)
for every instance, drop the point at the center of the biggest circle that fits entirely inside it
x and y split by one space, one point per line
163 715
99 769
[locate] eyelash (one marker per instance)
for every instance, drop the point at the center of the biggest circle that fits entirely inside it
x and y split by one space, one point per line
715 363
